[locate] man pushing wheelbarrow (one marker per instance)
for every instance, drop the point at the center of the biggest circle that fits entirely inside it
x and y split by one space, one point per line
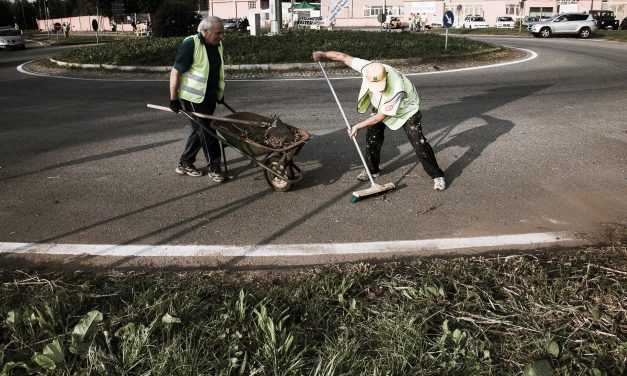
196 86
197 80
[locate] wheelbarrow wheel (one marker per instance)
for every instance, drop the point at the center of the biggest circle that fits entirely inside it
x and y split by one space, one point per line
278 184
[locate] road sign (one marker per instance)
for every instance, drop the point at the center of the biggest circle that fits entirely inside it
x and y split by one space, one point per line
117 10
459 7
448 19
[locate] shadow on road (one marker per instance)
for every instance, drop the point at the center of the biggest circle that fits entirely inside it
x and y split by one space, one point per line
332 167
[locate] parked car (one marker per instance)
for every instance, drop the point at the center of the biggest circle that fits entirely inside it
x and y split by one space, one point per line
623 24
504 22
605 19
534 19
579 24
396 23
11 38
475 22
230 24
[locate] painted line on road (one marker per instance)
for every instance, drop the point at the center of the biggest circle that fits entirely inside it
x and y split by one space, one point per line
286 250
531 55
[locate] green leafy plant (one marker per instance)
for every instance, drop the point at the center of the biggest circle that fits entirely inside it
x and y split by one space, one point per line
561 312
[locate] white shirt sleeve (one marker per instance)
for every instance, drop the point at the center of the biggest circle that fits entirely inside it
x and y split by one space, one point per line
391 108
359 64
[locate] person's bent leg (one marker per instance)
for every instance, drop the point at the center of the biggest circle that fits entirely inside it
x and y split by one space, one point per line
192 146
374 142
426 156
193 141
210 144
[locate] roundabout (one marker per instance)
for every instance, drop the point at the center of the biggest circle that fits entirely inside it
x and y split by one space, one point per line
532 146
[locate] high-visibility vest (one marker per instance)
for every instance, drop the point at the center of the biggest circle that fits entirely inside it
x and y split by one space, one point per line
194 81
395 84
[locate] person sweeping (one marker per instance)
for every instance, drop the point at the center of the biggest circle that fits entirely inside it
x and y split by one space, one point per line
395 104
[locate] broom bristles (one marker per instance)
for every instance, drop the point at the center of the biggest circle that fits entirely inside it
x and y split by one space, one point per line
374 190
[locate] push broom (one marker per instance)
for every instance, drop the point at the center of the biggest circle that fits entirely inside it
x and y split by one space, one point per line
375 189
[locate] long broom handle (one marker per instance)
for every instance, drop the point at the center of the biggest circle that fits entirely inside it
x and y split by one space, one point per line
347 123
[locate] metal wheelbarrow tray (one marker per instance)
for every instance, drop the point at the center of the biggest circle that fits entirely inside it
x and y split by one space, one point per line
278 166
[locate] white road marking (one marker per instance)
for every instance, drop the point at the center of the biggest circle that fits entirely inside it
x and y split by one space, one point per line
285 250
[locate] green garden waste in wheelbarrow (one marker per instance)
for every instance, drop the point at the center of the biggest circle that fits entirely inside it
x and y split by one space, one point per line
268 143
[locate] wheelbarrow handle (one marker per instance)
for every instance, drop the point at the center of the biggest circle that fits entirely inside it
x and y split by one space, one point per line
228 107
211 117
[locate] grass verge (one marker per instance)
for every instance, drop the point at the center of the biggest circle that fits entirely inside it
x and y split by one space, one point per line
560 312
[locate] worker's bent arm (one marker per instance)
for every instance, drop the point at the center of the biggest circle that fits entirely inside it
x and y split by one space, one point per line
372 120
333 55
175 80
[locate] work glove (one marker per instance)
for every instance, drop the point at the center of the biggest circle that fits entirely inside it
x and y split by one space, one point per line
221 101
175 105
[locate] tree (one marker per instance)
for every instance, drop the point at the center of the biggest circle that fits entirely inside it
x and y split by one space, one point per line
6 17
175 18
18 11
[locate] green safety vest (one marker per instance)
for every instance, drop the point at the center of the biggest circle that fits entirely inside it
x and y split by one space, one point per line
194 81
395 83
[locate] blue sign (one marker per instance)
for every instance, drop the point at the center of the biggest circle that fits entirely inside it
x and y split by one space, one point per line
448 19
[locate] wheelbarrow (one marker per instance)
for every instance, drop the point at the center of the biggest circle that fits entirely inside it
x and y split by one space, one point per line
245 132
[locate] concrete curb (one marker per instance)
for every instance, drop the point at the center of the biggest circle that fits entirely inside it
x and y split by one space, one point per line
252 67
236 67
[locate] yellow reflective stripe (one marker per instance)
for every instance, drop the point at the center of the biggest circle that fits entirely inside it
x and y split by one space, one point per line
195 77
192 90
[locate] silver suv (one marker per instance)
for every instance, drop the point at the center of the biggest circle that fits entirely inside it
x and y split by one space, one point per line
580 24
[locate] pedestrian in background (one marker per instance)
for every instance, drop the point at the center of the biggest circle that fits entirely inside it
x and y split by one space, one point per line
395 105
197 80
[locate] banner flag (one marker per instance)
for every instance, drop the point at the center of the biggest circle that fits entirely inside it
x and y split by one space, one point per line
335 6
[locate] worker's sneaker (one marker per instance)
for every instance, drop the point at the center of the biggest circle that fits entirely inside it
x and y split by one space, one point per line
217 175
188 170
439 184
364 176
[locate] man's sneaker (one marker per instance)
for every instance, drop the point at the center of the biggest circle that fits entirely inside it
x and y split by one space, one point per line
189 170
439 184
364 176
217 175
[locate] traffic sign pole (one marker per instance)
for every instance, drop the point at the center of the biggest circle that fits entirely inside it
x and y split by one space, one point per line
447 21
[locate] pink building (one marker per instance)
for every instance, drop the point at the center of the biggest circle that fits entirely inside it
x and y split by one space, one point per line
363 13
237 8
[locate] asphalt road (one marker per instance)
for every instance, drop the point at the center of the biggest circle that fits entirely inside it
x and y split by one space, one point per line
537 146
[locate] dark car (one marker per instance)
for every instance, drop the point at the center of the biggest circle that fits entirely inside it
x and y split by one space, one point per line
605 19
623 24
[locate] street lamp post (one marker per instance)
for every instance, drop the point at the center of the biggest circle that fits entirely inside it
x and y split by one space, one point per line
98 22
47 10
23 16
522 14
